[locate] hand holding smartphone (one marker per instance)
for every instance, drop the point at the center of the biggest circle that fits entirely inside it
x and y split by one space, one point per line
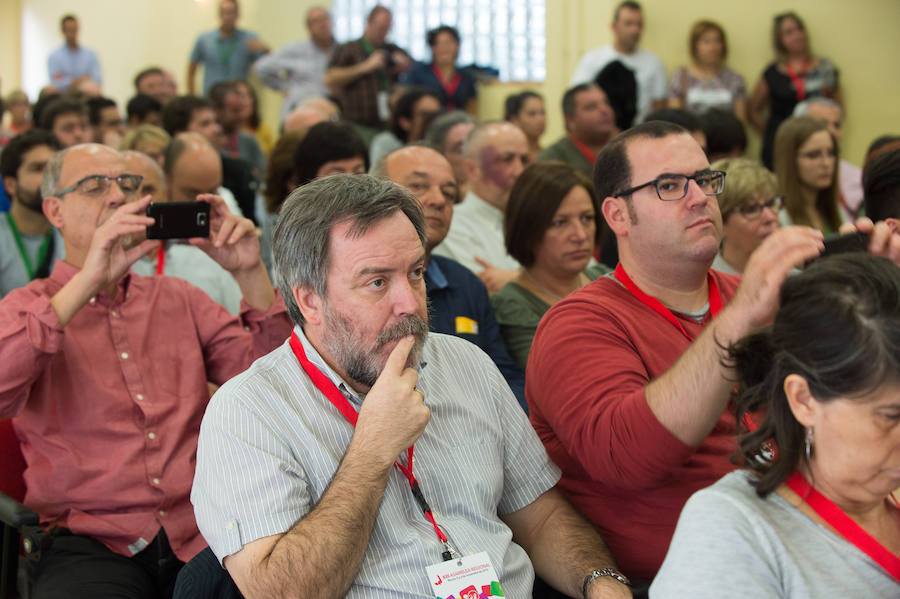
178 220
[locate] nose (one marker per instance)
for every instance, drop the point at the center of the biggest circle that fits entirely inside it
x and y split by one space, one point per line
406 298
519 164
695 195
433 198
579 231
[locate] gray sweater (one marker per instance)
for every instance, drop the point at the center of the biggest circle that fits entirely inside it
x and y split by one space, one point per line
730 543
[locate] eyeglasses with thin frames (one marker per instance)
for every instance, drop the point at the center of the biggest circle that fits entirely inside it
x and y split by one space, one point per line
98 185
672 187
755 210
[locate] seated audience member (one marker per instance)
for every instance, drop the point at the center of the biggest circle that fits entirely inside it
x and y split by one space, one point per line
414 109
643 423
106 122
590 124
496 153
20 117
550 227
152 82
252 122
849 175
196 115
105 374
337 518
806 167
458 302
881 145
817 517
28 244
749 205
620 85
46 96
455 87
795 75
725 134
305 116
231 105
149 140
707 83
447 133
881 184
329 149
143 110
66 118
682 118
192 169
526 111
280 182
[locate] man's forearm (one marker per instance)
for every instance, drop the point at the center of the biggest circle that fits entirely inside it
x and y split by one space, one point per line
320 556
256 287
338 77
690 397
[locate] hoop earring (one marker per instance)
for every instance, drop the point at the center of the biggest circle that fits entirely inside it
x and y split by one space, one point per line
809 442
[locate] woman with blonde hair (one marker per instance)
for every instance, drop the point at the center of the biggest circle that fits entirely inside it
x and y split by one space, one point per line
149 140
806 167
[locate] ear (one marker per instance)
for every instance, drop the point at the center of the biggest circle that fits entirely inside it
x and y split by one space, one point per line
10 184
52 207
800 399
472 170
615 212
404 123
310 304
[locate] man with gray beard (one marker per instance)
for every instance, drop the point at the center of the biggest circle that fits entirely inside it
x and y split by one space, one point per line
295 487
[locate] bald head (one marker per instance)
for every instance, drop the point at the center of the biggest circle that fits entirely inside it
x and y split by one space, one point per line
318 22
303 117
193 167
496 153
153 182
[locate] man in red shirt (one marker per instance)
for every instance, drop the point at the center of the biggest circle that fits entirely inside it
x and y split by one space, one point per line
625 381
105 373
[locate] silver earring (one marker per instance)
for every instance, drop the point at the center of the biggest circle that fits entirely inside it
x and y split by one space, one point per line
809 442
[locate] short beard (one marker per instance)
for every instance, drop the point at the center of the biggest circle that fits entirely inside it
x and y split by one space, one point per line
31 200
359 364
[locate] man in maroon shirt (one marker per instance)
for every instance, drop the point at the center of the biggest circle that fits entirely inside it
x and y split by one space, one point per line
105 373
641 422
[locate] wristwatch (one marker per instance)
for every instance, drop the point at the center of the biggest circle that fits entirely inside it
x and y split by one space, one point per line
604 572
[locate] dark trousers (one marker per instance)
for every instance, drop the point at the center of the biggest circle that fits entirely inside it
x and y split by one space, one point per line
75 566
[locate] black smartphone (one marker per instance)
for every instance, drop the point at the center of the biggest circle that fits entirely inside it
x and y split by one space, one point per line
837 243
178 220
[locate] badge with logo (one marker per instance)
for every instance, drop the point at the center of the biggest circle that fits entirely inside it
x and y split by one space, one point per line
471 577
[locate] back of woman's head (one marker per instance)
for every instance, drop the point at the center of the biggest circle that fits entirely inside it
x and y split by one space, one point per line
838 326
791 135
326 142
534 199
280 170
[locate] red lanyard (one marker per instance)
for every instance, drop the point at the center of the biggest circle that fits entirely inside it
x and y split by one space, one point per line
584 150
337 399
715 299
450 87
799 79
841 522
161 258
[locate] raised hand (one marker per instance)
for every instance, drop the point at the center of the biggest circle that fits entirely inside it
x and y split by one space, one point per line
394 413
232 242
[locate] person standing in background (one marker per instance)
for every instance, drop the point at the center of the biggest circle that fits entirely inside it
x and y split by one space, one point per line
71 63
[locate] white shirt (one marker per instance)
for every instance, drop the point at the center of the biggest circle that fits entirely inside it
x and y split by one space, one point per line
476 230
649 73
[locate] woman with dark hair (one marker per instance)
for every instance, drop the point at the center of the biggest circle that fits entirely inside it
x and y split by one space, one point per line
796 74
415 109
806 166
454 87
526 111
550 227
707 83
812 513
252 123
329 148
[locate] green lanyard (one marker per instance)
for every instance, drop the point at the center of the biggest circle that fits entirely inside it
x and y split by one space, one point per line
42 253
382 76
225 52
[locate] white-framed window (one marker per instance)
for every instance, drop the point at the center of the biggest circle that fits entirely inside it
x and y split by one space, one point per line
508 35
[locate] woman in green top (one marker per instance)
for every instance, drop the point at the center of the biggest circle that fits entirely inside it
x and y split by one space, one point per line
551 229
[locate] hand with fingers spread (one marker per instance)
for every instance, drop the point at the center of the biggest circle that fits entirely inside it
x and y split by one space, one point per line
232 242
110 253
757 297
394 413
883 239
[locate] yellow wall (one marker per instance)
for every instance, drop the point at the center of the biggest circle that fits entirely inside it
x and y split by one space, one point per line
863 43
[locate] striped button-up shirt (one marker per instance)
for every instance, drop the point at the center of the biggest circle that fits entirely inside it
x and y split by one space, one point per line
271 443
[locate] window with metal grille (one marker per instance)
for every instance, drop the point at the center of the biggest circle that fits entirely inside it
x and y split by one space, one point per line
508 35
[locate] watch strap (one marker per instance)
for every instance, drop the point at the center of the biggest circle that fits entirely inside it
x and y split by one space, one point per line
612 573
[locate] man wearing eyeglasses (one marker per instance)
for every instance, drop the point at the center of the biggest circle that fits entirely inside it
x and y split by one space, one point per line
642 422
105 374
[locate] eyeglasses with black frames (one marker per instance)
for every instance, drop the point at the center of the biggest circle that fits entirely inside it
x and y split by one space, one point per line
672 187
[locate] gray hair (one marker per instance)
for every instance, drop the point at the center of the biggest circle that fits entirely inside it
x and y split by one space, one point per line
440 127
50 178
802 108
302 234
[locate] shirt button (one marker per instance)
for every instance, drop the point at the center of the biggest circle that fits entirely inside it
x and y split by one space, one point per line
247 329
155 481
152 436
115 314
230 526
124 355
92 300
162 512
140 397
